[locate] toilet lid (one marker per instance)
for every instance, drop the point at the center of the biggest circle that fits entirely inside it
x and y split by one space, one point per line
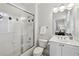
43 40
38 50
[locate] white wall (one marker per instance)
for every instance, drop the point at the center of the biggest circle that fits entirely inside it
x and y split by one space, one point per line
45 18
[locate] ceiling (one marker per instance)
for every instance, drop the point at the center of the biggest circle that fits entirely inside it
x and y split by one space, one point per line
30 7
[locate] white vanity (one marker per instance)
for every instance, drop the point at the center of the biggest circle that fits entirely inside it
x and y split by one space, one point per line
65 25
63 46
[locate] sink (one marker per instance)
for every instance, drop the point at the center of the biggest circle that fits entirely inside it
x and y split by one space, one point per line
65 38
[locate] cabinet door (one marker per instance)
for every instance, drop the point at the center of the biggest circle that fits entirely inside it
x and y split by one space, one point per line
70 50
55 49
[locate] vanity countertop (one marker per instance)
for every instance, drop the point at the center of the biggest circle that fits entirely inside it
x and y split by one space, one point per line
64 39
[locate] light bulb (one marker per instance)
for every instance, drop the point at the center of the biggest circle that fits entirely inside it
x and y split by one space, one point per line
62 8
55 10
70 6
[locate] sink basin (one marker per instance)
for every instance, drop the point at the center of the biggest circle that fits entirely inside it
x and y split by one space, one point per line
65 38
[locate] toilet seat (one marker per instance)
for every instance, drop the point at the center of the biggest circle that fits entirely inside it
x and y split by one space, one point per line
38 51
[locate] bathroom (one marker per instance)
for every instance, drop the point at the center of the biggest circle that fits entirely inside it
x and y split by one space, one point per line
39 29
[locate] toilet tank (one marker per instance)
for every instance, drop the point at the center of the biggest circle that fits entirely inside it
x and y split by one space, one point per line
43 43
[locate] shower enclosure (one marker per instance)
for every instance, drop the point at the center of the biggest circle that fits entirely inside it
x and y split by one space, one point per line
16 30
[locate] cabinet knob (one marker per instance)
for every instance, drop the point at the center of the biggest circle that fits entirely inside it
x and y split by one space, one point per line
61 45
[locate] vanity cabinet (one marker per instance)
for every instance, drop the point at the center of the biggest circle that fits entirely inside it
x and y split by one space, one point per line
61 49
55 49
70 50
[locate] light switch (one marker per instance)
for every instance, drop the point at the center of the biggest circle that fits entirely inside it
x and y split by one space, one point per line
43 30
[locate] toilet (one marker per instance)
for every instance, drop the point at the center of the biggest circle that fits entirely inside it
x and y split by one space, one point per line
38 51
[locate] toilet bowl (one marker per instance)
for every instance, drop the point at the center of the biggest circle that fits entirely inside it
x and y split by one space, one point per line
39 50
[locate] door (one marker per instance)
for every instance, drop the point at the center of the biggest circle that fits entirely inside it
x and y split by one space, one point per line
27 34
6 37
17 37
